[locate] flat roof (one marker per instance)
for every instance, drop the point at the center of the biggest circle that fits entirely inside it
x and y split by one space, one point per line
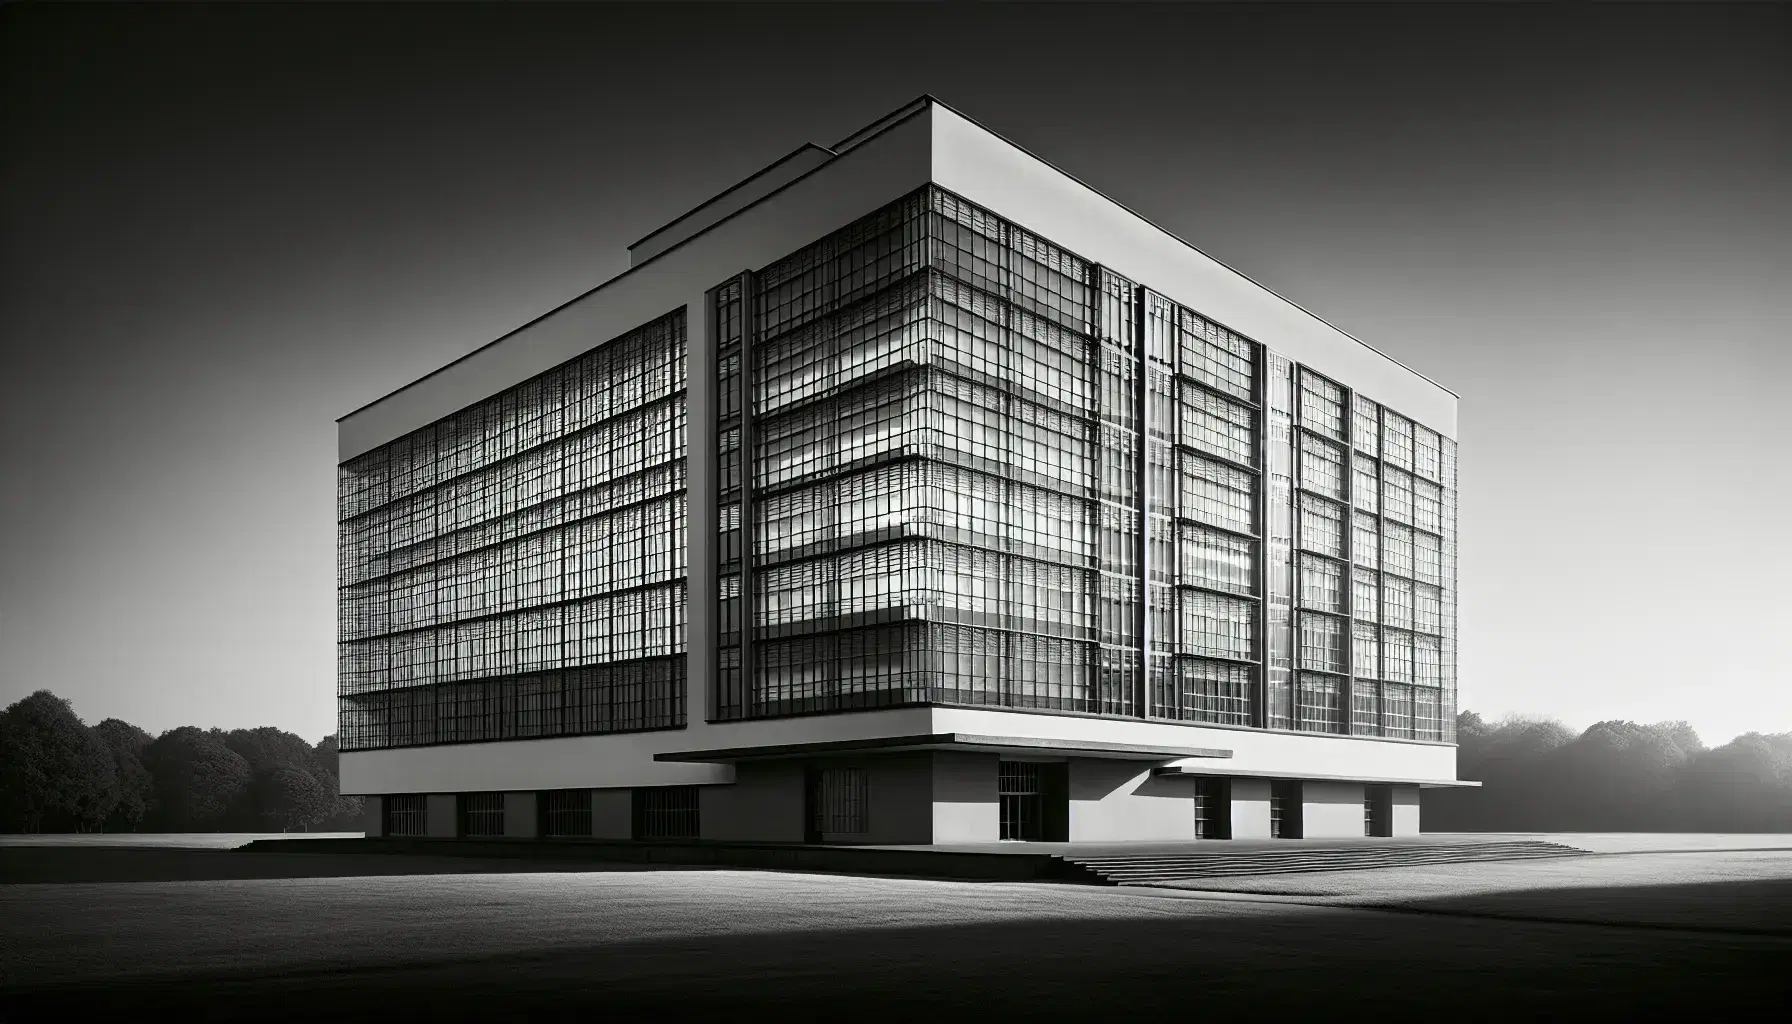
851 141
944 741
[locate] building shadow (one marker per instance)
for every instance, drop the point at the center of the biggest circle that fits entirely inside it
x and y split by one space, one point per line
1260 963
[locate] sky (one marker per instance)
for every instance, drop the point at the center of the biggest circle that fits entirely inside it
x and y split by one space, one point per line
225 227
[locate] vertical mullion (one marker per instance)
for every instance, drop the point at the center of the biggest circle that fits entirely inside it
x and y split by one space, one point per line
1347 580
1141 488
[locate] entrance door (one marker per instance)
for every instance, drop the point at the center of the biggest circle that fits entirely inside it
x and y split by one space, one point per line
1213 809
1021 796
1284 810
812 804
1378 811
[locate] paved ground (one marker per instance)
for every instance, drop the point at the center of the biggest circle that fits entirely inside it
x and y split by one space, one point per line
450 938
172 840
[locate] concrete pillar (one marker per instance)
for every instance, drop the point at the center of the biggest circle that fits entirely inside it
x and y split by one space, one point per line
442 814
764 805
1250 808
612 814
520 816
965 808
1406 810
373 816
1121 801
1331 810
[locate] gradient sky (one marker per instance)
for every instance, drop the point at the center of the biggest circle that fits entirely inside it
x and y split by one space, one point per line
225 227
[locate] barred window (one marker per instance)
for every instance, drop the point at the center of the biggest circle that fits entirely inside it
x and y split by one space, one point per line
666 812
481 814
566 813
407 814
842 806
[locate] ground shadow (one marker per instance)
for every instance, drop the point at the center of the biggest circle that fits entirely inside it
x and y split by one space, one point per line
1743 906
1269 964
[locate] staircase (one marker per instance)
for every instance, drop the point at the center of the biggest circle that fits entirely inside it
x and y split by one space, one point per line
1158 868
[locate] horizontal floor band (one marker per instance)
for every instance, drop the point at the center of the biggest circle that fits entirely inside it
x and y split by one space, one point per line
945 741
1203 771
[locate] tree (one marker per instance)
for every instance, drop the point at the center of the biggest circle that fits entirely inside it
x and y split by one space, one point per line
347 813
1743 786
136 790
1619 776
55 773
272 755
289 797
198 780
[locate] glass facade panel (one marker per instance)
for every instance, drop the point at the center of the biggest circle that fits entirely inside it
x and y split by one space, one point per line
1321 467
1321 405
1321 583
954 464
518 569
1321 703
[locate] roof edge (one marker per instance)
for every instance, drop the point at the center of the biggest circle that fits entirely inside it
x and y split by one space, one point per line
1154 224
730 190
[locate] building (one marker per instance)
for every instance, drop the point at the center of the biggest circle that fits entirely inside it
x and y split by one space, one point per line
910 491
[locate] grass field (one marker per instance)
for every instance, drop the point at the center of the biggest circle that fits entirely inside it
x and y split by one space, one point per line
331 936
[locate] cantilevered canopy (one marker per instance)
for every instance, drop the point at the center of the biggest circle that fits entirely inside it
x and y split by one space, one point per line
946 741
1309 777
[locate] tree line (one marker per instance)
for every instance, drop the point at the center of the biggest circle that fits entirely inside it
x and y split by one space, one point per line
1540 776
58 774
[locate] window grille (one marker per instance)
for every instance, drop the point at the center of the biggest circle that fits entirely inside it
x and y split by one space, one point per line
666 812
566 813
482 814
407 814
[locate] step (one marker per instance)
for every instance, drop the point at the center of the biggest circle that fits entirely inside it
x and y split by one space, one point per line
1313 869
1144 869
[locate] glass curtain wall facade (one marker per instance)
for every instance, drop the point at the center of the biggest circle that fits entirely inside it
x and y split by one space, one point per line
517 570
960 465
